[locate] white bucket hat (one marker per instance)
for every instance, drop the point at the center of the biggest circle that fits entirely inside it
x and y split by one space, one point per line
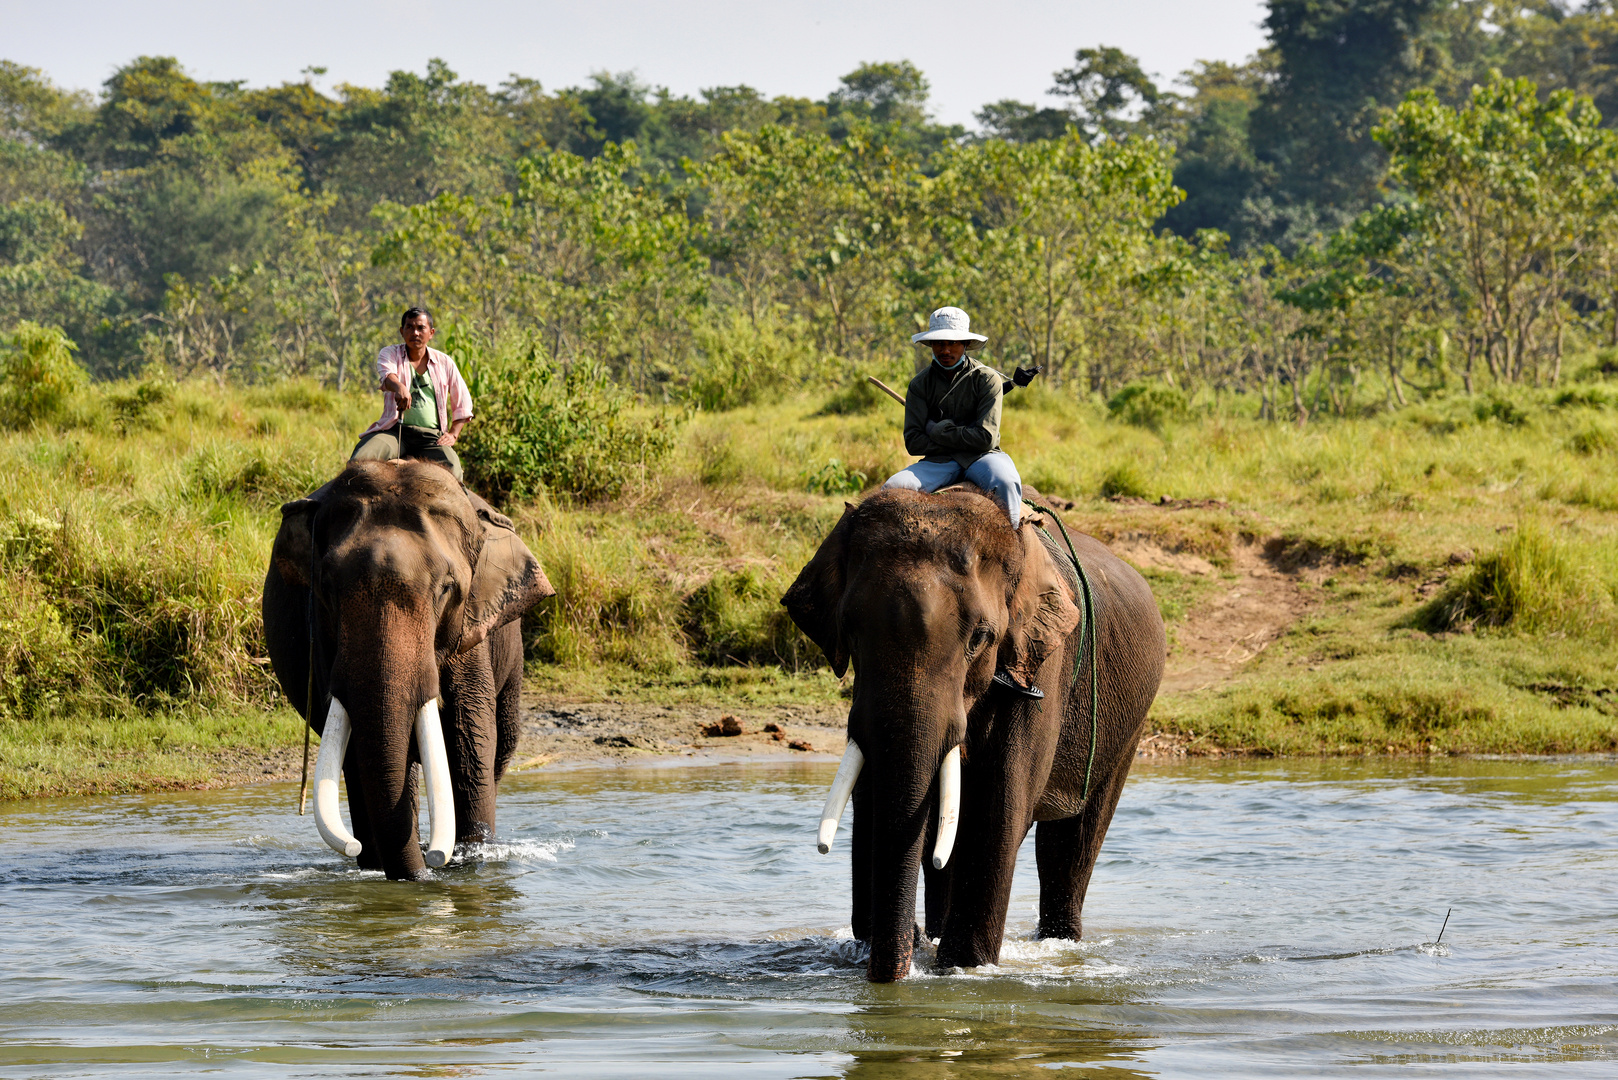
948 324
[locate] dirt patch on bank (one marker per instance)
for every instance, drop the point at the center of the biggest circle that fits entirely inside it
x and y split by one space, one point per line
622 733
1256 603
232 768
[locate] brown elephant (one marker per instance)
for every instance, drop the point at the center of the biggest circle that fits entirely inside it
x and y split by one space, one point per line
405 591
955 622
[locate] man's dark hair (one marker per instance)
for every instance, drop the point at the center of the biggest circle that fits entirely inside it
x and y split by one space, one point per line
411 313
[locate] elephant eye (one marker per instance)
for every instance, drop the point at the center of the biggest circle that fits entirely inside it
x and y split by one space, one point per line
980 637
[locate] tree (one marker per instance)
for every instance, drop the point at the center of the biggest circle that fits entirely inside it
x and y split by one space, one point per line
1337 62
1518 189
1048 239
803 226
1017 121
887 103
1215 163
1106 83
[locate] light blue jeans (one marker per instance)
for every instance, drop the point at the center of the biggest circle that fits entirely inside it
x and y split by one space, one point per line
993 472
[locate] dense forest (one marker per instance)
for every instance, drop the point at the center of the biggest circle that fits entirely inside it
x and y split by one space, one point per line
1392 198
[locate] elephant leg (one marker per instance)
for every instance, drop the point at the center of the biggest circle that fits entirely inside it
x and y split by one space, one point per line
506 659
993 824
860 861
470 743
1066 851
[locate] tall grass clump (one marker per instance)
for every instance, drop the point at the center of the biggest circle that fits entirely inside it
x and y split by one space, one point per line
563 430
1534 583
737 618
737 361
1150 405
38 375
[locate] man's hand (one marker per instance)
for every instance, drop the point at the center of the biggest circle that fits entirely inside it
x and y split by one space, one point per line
392 384
1023 376
447 439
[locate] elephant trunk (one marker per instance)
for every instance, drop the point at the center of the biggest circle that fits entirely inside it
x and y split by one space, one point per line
386 675
898 833
913 800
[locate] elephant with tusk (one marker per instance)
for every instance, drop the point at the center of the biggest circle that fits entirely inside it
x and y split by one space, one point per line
391 611
972 713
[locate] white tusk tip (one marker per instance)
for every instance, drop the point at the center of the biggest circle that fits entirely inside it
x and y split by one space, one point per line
435 859
938 864
352 848
823 848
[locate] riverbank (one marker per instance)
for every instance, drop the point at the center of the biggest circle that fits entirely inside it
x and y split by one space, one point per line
1438 579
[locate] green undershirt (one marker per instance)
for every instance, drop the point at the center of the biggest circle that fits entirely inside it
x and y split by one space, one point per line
423 411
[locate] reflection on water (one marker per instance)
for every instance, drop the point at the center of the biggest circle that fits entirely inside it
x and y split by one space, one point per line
1247 919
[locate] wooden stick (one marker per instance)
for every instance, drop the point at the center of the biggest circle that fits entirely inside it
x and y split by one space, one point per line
885 388
1441 929
303 783
531 763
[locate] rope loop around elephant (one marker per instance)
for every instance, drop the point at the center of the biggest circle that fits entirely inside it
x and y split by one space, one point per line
1090 631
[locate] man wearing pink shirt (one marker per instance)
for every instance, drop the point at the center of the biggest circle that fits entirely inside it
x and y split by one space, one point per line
425 403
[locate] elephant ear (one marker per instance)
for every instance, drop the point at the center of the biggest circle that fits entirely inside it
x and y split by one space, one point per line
292 554
507 579
1042 612
815 600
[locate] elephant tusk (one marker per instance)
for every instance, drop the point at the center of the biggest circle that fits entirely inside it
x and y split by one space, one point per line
435 772
842 786
328 768
949 806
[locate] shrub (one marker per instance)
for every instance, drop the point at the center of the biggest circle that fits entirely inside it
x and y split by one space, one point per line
136 404
38 375
1150 405
1532 583
1592 440
1126 481
1500 409
856 399
266 479
835 478
739 363
1589 397
568 430
737 618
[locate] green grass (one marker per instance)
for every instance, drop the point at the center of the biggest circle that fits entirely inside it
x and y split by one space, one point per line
134 532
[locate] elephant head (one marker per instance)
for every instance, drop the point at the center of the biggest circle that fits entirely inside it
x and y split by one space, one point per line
928 596
407 575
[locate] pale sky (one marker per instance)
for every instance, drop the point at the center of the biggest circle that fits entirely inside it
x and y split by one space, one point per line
971 52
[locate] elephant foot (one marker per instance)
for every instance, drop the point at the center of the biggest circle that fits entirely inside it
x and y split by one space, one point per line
1064 929
477 832
968 955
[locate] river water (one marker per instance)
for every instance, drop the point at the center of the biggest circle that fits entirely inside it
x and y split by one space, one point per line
1247 919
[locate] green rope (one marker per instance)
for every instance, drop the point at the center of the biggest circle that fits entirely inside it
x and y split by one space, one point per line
1090 629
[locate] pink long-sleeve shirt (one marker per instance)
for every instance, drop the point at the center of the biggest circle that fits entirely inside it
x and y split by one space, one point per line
454 400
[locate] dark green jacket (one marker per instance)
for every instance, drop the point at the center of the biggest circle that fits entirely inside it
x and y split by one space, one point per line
965 402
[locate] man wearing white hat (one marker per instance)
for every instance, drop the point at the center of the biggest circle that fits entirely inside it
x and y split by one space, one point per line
952 418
